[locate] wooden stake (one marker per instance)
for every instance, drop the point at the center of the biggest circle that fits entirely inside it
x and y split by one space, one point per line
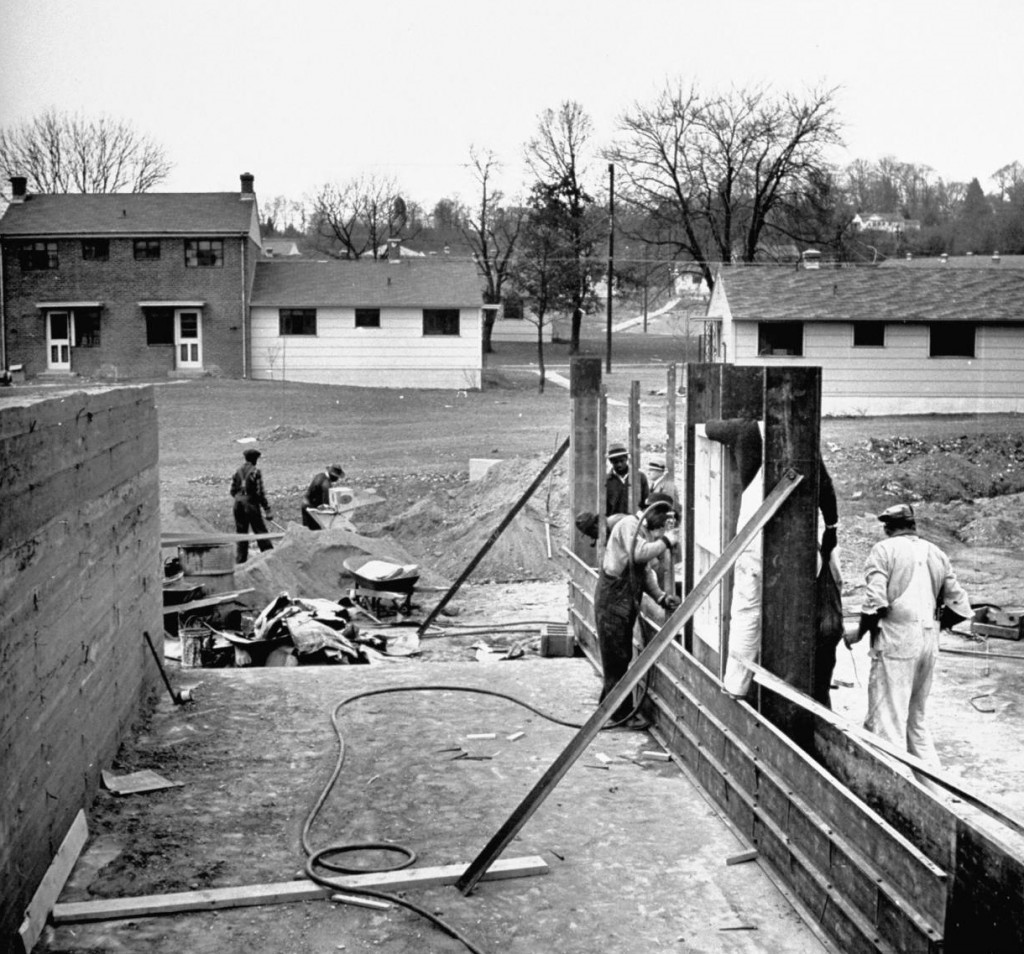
647 658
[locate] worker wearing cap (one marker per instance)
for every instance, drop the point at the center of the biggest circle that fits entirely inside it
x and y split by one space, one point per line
659 482
634 545
250 500
908 580
617 482
319 493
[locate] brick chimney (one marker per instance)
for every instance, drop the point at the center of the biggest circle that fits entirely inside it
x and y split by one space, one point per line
247 181
19 186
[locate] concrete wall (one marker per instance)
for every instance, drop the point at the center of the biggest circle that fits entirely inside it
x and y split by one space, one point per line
80 581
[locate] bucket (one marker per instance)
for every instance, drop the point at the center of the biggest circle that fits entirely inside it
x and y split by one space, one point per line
339 497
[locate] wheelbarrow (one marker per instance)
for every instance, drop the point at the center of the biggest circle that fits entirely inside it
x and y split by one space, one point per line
382 588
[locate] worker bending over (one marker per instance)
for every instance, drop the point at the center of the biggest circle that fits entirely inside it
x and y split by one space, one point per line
318 494
634 544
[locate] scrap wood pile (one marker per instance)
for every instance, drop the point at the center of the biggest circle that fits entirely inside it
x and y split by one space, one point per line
292 632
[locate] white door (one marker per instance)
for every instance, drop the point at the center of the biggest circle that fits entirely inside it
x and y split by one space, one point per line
59 331
188 339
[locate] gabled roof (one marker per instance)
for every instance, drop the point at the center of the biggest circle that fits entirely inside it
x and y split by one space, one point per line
874 294
129 213
415 283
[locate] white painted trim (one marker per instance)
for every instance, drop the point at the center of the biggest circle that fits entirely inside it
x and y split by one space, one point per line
173 303
61 305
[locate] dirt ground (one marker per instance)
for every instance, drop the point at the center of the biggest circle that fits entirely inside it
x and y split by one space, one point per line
630 872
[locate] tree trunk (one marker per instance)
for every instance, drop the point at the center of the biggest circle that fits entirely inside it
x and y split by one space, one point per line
540 353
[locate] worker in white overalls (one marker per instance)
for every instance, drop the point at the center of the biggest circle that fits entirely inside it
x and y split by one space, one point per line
908 581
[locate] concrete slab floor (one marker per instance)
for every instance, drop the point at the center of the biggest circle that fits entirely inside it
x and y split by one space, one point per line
637 855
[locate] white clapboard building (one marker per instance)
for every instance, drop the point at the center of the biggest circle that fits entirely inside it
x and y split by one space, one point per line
888 340
402 323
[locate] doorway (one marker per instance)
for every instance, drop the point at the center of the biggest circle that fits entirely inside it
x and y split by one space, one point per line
59 332
188 339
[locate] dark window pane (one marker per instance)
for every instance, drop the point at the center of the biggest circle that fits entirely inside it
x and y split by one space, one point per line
38 255
868 334
780 338
159 326
367 317
951 339
146 250
87 327
440 321
204 253
95 250
297 321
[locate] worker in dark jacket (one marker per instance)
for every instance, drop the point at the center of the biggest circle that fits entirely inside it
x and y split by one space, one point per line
250 500
617 483
319 493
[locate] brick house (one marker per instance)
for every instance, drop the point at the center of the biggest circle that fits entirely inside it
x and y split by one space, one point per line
128 285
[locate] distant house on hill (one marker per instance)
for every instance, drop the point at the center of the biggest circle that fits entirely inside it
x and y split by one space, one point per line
890 222
403 323
281 248
889 340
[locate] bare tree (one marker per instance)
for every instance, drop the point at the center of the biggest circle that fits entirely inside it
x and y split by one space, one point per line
62 152
558 156
713 170
357 218
1009 179
491 231
283 216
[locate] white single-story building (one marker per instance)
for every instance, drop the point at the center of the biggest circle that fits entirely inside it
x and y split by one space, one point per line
404 323
888 340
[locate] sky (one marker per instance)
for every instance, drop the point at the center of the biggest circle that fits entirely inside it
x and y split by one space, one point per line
304 92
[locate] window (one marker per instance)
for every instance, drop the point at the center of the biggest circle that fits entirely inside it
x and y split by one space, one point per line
204 253
780 338
440 321
951 339
146 250
367 317
95 250
159 326
868 334
38 255
297 321
87 327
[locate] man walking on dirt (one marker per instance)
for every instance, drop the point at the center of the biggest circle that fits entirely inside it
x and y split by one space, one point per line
250 499
634 546
908 582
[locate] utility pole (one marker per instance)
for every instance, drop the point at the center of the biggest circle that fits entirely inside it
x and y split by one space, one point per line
611 256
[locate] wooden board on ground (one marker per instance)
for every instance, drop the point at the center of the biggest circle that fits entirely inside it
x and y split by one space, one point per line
207 601
283 892
53 882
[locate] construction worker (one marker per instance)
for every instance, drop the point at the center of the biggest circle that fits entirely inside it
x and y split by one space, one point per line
635 542
659 482
250 499
617 482
318 493
909 581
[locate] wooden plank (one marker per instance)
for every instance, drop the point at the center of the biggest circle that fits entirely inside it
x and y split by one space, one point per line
206 601
284 892
627 683
53 882
585 464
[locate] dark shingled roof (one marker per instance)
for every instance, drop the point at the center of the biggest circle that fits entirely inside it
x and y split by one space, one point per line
416 283
874 294
129 213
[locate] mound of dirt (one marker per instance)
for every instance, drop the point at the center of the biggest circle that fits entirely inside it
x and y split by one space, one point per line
448 527
311 564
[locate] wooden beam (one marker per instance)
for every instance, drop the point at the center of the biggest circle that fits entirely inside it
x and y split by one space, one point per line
634 446
168 540
53 882
585 464
482 552
284 892
626 684
207 601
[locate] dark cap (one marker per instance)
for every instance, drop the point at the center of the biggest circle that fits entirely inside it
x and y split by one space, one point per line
657 463
252 455
336 470
901 511
617 450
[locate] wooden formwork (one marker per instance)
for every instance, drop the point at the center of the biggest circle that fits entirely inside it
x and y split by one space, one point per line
872 856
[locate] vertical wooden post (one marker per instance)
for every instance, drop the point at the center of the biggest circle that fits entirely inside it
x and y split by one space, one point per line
586 464
602 471
788 615
668 582
635 467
